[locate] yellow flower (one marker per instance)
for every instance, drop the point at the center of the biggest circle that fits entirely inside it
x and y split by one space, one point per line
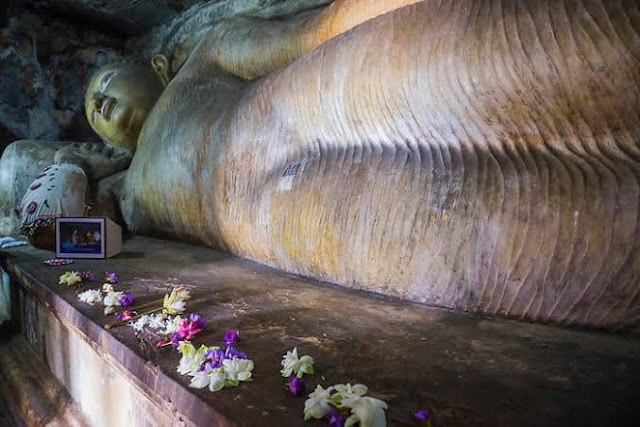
70 278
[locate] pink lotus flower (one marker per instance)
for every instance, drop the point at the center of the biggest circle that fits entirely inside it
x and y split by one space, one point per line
188 330
127 314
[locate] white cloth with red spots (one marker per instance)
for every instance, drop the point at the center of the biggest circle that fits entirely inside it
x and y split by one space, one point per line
58 191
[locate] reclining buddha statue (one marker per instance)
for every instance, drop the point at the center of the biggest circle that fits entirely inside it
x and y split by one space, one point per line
476 155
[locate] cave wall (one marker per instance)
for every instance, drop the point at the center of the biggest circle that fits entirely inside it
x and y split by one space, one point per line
45 66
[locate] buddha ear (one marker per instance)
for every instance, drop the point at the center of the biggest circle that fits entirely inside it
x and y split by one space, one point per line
160 65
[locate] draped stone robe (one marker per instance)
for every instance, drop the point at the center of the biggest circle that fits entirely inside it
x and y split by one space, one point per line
479 155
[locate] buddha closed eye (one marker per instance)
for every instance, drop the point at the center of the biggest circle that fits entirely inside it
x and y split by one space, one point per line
106 79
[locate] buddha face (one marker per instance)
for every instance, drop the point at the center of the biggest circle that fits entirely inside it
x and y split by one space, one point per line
118 100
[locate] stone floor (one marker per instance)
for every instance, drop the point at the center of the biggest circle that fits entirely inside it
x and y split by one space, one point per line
473 370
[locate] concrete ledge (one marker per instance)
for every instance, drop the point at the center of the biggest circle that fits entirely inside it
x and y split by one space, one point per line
473 370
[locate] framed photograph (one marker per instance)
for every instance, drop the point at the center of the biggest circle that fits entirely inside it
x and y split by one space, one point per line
89 237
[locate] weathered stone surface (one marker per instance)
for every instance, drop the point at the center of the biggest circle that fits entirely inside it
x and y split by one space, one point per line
479 155
474 371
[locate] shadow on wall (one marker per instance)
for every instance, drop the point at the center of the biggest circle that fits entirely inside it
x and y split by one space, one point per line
6 138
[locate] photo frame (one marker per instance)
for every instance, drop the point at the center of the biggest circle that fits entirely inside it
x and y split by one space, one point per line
87 237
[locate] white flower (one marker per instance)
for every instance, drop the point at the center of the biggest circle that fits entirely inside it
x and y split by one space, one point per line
367 411
217 379
107 287
172 325
70 278
237 370
112 298
292 364
139 324
156 321
214 378
175 302
318 404
200 379
347 390
109 310
191 359
90 297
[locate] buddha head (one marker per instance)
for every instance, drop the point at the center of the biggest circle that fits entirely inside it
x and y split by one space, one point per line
118 100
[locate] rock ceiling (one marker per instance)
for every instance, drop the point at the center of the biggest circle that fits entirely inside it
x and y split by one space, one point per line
130 17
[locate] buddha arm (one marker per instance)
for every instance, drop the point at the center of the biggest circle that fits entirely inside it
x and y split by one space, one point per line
250 47
97 160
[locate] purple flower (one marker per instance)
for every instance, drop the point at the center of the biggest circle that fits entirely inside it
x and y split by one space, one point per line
126 300
197 320
234 353
88 276
422 415
297 386
336 417
127 314
188 330
112 278
175 339
231 337
215 356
